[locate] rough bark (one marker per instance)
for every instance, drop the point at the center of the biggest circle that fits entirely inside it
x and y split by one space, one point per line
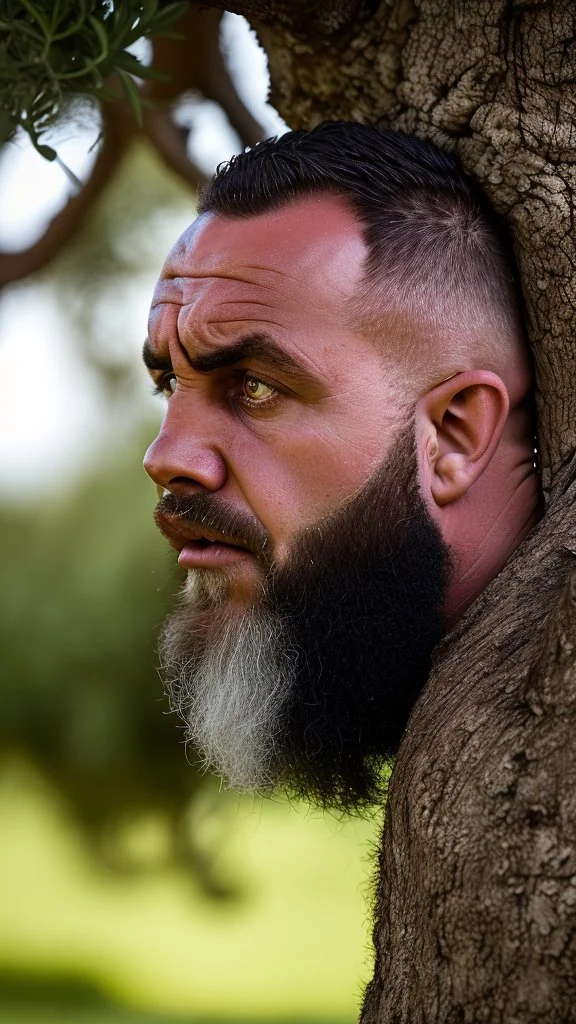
476 915
325 17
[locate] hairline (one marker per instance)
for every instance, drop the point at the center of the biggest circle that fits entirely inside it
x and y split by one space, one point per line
369 312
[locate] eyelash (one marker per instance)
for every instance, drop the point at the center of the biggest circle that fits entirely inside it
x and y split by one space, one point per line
254 403
162 387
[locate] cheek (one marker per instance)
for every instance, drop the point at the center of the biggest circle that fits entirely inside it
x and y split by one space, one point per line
302 479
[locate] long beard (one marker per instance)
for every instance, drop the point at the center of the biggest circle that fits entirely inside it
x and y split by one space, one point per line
310 689
229 678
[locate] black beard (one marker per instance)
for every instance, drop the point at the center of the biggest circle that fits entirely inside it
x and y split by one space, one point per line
358 610
361 603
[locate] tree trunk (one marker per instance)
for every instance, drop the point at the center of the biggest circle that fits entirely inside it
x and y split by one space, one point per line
476 913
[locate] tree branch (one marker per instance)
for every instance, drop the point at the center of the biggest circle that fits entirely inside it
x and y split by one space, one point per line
193 62
66 224
325 17
169 142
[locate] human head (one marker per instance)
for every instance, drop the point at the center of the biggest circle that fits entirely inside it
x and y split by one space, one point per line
372 263
435 248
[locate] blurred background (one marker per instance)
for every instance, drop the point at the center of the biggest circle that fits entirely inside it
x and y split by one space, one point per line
132 887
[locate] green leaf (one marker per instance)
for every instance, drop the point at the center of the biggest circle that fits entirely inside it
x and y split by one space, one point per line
108 93
37 16
149 12
120 21
46 151
132 95
102 37
167 17
150 72
128 62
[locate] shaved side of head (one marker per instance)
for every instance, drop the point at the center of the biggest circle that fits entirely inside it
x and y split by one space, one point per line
439 262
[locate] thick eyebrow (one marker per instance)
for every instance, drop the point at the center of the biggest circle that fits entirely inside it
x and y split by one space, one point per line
154 361
251 346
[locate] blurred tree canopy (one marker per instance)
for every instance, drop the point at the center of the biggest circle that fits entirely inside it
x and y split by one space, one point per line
73 60
86 580
52 51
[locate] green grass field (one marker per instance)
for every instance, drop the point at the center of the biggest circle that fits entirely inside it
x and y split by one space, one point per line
78 945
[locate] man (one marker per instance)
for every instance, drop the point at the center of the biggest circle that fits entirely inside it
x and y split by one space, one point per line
347 455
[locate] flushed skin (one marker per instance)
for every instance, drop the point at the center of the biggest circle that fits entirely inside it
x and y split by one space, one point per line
285 441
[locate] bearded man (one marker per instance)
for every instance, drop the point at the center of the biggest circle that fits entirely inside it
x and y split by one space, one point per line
347 455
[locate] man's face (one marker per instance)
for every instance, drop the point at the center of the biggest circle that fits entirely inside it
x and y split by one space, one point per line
278 408
315 574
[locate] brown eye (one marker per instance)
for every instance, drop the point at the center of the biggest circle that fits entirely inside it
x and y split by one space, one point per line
257 390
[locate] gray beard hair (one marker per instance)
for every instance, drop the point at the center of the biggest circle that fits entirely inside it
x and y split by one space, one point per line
230 680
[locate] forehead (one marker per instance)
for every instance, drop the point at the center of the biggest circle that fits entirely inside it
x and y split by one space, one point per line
305 258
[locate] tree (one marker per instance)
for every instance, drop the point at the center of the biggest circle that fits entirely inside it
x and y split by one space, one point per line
476 912
59 59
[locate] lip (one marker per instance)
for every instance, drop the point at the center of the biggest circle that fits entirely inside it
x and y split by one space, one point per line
200 546
210 556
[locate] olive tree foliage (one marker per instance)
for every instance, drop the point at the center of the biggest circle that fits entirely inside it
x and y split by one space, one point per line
476 909
71 61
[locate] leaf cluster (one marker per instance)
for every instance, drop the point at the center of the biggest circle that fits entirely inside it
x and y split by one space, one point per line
53 51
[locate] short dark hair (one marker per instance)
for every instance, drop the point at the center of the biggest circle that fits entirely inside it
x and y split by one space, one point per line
429 229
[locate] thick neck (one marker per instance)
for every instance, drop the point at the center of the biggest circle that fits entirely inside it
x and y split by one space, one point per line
487 524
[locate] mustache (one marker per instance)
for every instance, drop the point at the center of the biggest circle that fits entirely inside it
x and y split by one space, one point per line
203 510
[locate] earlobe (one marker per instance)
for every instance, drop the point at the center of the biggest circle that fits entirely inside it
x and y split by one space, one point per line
462 419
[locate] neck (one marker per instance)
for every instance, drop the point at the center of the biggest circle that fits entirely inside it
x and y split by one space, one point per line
492 519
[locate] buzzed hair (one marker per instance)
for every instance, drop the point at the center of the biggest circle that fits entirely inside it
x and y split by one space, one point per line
433 240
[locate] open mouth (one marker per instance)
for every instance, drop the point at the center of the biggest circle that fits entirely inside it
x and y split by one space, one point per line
202 553
203 542
201 547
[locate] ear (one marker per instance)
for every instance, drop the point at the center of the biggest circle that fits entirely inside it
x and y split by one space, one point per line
458 426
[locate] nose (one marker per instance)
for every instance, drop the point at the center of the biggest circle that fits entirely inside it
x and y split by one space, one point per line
178 459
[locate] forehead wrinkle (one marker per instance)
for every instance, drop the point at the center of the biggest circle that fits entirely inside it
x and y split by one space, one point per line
211 338
207 314
233 314
272 279
215 292
236 273
213 275
285 275
283 309
178 291
168 291
285 286
218 311
213 328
